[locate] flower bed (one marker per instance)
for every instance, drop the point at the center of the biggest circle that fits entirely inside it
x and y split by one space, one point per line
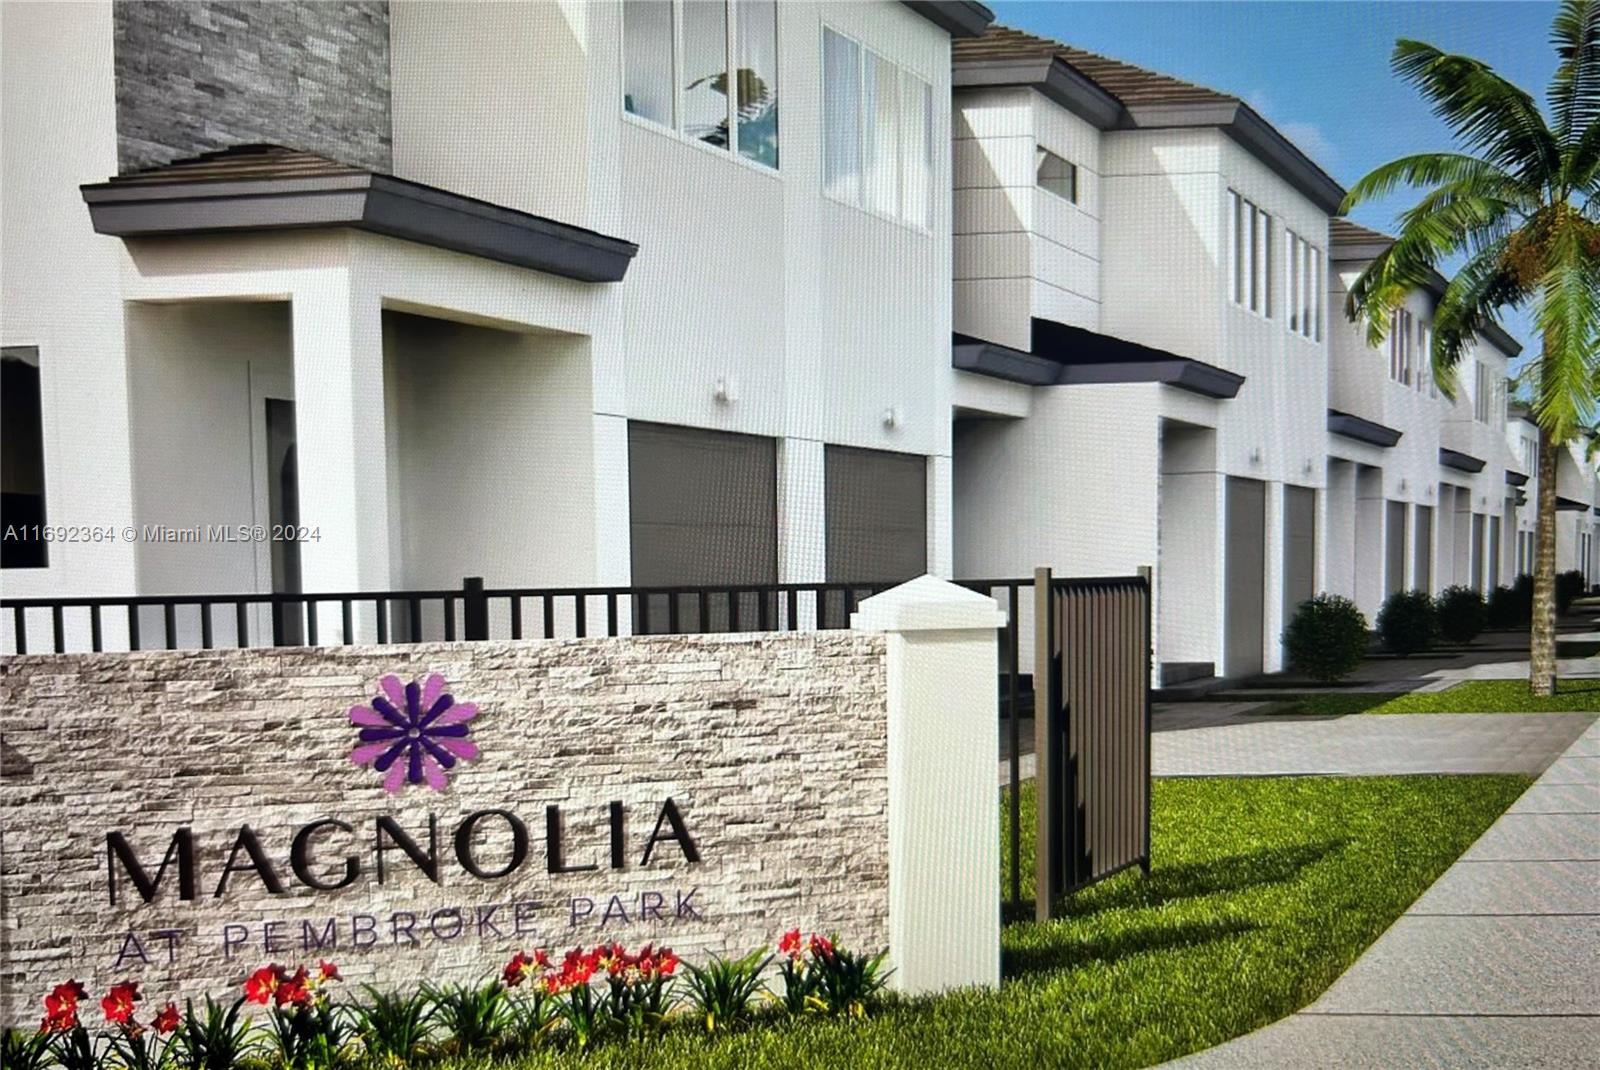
588 996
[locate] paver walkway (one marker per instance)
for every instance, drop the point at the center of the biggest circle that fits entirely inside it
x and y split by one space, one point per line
1364 745
1222 739
1497 965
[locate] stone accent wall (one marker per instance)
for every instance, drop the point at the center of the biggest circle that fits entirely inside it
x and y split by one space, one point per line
774 748
196 77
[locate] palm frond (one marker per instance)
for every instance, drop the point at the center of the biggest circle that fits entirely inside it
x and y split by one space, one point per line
1575 88
1466 173
1568 316
1488 113
1471 302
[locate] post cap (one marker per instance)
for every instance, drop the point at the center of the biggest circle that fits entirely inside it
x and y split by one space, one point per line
927 604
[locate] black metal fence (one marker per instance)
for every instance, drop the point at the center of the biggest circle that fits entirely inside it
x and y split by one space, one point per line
1091 732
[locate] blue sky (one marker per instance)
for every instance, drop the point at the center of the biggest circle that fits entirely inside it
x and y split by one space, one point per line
1318 71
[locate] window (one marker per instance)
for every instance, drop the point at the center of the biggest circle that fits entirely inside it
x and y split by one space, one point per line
1425 359
647 59
21 458
1251 248
877 140
1057 175
676 71
1487 399
1402 346
1305 286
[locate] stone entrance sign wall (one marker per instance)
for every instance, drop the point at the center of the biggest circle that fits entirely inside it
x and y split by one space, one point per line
184 817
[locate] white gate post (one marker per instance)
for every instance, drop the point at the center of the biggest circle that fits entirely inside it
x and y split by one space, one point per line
944 795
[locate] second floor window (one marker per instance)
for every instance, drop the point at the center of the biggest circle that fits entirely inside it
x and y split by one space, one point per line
676 71
1307 287
1250 248
1487 402
1057 175
877 132
1402 346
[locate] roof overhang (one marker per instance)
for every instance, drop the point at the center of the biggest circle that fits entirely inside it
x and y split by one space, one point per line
1569 505
1065 356
380 204
1056 80
958 18
1516 479
1059 81
1461 462
1368 431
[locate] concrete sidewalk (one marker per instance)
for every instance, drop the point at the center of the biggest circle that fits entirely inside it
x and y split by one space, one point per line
1370 745
1497 965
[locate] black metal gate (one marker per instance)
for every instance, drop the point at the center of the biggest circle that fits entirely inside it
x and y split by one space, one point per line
1091 730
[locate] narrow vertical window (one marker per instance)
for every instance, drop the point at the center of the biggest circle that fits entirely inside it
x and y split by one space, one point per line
1295 262
841 117
1319 289
757 79
1236 231
916 101
705 71
1266 265
647 59
22 453
1255 267
881 93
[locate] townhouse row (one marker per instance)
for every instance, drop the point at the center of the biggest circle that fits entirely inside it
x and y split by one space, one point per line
672 292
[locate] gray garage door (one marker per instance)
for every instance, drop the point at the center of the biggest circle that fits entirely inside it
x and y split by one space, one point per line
877 514
1422 563
1244 577
703 512
1394 560
1299 547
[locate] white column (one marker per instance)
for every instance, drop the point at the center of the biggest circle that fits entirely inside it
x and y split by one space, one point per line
944 806
802 520
341 447
1272 617
613 533
941 553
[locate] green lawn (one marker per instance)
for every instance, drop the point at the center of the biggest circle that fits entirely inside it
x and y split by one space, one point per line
1264 890
1473 696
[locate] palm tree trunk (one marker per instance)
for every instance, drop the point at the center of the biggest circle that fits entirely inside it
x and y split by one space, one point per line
1542 638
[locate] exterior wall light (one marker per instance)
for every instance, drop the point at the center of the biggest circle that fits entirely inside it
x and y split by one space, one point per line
891 417
725 391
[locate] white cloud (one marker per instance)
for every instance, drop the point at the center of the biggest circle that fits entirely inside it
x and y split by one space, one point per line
1307 137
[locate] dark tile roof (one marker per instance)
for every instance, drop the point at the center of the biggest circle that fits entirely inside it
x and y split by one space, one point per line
1130 84
1343 232
241 163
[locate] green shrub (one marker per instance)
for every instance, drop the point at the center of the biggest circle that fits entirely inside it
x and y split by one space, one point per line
1407 623
1326 638
1569 585
721 991
1462 613
1503 607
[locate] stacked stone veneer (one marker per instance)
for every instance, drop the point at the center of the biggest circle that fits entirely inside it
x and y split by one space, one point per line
774 748
196 77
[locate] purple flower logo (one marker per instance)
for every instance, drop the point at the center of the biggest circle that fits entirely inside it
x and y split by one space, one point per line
413 732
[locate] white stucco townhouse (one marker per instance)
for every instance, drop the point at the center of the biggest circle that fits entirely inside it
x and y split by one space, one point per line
549 293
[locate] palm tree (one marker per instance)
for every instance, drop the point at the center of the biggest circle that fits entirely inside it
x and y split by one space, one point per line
1520 206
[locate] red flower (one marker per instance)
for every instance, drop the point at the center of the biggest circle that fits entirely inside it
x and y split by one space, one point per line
821 946
327 971
789 944
118 1003
167 1020
61 1007
293 991
517 970
260 986
666 962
